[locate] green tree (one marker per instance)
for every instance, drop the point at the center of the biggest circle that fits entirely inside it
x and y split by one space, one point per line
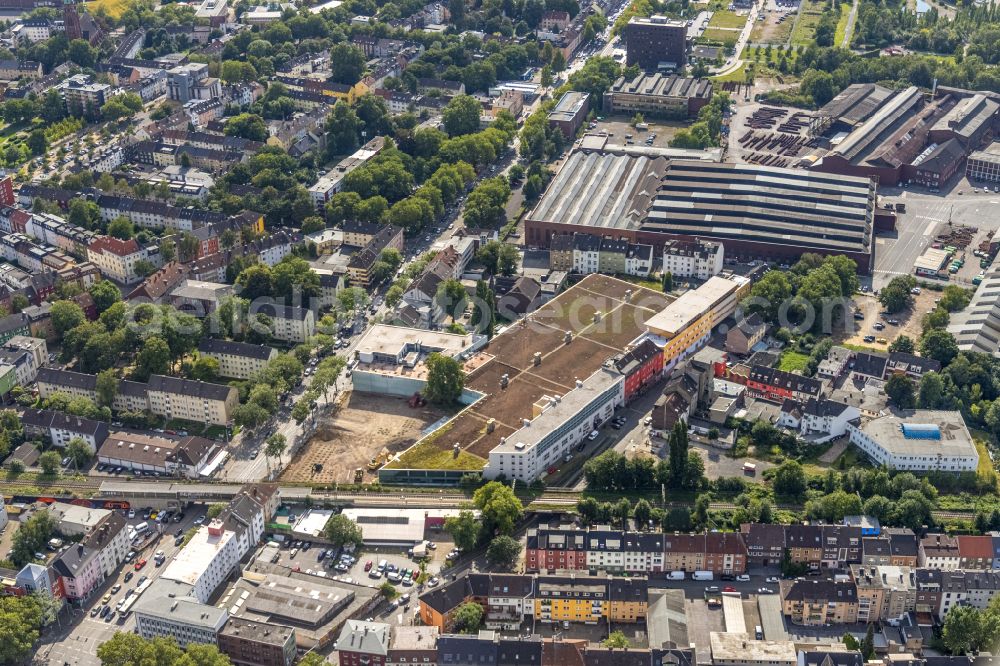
461 115
247 126
954 298
499 507
66 315
205 369
678 452
789 479
900 390
468 618
343 127
452 298
79 452
152 359
20 621
896 296
868 643
106 387
37 143
668 282
215 510
105 294
276 445
445 379
341 530
939 345
498 257
504 552
121 227
49 463
932 391
32 535
616 640
903 343
347 63
464 529
962 630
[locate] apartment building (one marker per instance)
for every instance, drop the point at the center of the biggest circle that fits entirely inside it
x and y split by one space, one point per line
191 81
83 96
116 259
409 646
777 386
556 549
206 560
939 551
686 324
286 323
167 455
80 569
237 360
332 182
169 609
820 419
699 259
884 592
59 427
363 644
361 263
745 335
191 400
255 643
765 543
813 602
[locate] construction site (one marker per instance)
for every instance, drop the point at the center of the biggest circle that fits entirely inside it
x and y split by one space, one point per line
359 436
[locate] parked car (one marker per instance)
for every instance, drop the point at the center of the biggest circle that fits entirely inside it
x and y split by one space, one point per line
140 564
743 578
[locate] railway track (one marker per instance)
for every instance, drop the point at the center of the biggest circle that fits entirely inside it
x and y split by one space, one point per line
561 498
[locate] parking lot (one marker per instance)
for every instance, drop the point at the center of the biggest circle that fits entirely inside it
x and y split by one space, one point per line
620 131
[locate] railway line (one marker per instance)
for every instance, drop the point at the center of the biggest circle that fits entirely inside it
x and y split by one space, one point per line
547 500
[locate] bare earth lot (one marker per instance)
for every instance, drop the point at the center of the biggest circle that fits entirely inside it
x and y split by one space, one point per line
355 434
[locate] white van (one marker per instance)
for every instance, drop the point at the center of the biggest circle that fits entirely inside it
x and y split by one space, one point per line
675 575
593 435
702 575
142 528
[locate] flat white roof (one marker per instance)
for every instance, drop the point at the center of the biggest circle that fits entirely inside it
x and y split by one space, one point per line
690 306
925 432
192 560
379 525
313 521
390 340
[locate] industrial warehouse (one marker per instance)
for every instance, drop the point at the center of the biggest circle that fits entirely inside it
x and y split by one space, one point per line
658 95
758 211
904 136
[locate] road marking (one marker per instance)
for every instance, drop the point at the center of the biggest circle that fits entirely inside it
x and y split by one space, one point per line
930 227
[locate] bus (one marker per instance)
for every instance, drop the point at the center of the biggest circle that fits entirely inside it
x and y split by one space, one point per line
125 605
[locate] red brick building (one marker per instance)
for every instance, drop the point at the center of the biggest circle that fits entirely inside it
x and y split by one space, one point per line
641 366
551 549
776 385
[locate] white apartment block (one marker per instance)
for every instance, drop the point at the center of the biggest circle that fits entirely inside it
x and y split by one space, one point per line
559 424
288 324
237 360
116 258
168 609
699 259
206 561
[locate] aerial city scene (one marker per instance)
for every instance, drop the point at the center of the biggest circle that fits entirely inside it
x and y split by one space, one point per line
500 333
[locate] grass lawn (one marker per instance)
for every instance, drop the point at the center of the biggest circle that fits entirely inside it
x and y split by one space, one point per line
727 19
114 8
805 27
428 456
726 38
860 348
845 13
792 361
738 75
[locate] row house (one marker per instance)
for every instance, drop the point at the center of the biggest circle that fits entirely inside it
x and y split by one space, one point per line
777 385
642 366
812 602
976 552
896 546
821 418
554 549
939 551
884 592
155 214
80 569
765 543
510 599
